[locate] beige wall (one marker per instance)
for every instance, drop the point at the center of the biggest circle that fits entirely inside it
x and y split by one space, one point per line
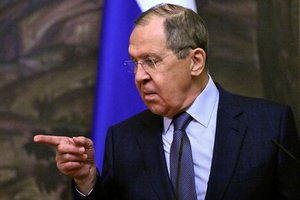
48 57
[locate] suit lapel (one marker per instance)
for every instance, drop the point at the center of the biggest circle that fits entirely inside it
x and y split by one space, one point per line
230 131
150 142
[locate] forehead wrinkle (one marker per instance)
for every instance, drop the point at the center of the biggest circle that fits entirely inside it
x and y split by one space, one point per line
135 52
148 39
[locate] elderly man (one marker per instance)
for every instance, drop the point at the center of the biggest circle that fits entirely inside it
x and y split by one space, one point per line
195 141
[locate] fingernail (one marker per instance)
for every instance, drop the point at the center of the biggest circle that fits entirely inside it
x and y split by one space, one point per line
82 149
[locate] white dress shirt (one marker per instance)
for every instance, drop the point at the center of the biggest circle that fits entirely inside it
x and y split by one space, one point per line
201 132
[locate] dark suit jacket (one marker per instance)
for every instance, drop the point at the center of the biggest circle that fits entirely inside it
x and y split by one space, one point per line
246 164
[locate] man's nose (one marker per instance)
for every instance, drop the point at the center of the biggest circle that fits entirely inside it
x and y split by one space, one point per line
140 73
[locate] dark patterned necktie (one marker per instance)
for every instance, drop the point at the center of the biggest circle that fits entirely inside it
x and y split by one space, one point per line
181 161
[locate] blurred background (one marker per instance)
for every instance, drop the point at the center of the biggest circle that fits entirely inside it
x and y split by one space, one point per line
48 63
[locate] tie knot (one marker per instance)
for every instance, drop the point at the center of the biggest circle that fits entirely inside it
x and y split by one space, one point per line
181 121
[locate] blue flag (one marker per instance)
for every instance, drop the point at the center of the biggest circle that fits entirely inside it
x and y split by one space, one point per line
116 96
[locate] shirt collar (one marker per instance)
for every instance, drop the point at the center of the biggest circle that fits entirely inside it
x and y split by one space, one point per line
202 108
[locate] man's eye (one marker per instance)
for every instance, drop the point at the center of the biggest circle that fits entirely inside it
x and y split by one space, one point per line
149 62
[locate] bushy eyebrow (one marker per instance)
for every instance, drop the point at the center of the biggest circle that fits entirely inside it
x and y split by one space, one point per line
146 56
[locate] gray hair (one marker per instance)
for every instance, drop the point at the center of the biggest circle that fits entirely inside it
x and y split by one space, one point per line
184 28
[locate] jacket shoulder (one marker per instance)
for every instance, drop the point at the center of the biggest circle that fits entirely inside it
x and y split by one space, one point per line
250 104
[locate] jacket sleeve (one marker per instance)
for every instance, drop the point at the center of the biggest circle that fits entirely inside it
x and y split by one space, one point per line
288 173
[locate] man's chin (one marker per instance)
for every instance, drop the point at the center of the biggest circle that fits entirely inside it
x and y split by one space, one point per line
155 109
158 109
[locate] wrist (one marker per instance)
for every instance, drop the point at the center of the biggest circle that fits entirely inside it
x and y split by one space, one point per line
85 185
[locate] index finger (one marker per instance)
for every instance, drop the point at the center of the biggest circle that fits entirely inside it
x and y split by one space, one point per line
48 139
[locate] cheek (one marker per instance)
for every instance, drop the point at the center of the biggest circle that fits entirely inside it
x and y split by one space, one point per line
175 87
170 96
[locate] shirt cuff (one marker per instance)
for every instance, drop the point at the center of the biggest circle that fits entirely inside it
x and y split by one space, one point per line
81 194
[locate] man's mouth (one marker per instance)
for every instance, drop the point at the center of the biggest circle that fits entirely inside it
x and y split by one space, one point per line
148 96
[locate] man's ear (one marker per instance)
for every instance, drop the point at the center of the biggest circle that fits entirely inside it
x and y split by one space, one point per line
198 61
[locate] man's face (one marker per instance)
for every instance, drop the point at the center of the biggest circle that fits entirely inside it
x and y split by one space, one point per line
168 89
